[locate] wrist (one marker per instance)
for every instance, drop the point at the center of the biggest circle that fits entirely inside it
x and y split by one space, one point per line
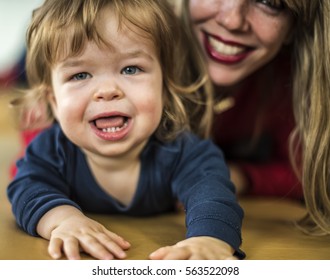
50 220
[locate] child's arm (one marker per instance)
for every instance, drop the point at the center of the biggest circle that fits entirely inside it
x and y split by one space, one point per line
196 248
202 183
70 231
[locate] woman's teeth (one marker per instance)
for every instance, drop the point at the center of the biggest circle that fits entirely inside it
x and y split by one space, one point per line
224 49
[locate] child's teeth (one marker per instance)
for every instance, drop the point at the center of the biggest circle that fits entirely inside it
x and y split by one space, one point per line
114 129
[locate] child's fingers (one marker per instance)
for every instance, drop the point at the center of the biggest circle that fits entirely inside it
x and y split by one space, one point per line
71 248
55 248
170 253
159 253
92 238
116 238
101 246
115 244
95 249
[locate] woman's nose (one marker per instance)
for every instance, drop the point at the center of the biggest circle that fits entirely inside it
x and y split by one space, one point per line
232 14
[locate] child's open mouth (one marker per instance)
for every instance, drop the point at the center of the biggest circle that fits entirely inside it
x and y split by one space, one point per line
111 124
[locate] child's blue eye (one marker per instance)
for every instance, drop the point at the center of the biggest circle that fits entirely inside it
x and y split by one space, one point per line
80 76
273 4
130 70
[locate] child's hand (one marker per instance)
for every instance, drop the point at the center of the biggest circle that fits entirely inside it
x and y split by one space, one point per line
196 248
75 232
84 234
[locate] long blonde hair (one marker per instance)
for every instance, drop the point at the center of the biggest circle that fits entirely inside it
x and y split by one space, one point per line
310 140
61 28
311 108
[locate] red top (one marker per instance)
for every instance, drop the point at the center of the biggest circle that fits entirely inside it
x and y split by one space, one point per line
8 77
266 163
26 138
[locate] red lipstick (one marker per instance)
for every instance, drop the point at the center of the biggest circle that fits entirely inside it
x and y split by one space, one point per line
222 58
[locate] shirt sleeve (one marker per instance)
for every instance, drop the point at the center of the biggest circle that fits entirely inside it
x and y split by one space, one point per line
202 184
38 185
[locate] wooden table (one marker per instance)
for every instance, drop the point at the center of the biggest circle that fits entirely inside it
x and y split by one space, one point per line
268 233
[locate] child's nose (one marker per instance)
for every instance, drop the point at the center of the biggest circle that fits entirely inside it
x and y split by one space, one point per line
108 94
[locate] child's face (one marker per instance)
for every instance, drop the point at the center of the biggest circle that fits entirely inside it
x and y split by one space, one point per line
107 100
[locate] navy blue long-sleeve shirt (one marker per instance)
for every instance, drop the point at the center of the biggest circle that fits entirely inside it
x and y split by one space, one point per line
55 172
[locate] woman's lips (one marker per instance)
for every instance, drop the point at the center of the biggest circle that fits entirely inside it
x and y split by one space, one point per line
223 51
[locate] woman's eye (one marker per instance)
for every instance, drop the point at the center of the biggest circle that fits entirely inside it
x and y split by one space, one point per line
80 76
130 70
273 4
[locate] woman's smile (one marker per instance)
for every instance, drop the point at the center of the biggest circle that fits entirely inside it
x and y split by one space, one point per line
223 51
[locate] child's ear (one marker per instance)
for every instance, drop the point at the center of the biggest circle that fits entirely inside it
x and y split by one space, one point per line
52 100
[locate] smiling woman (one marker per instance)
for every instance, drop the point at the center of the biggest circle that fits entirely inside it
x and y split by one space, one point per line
246 47
269 63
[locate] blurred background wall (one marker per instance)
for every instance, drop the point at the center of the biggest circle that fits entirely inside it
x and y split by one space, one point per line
14 18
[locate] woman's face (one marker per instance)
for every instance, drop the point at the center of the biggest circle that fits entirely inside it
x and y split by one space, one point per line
239 36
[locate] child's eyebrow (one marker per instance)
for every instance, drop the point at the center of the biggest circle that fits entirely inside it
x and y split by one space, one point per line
121 54
70 63
137 53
